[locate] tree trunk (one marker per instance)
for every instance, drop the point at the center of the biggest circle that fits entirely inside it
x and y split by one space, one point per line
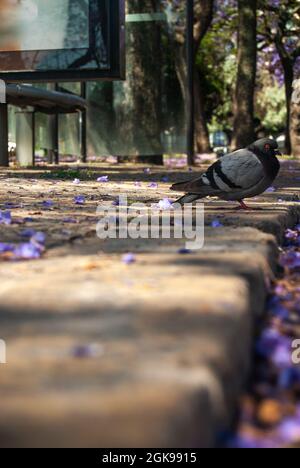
143 87
288 80
244 128
295 126
203 19
202 134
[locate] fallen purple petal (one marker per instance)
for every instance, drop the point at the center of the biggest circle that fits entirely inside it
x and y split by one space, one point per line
39 238
28 233
184 251
216 223
6 247
129 258
5 217
48 203
79 200
290 259
26 251
165 204
103 179
70 220
86 351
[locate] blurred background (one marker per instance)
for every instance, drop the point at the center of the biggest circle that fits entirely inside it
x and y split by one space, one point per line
246 60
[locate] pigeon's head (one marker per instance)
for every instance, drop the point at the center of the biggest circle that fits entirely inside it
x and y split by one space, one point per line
266 147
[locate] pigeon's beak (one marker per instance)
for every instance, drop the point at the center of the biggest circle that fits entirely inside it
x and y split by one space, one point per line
278 153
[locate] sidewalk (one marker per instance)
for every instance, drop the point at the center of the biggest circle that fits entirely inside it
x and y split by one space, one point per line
152 354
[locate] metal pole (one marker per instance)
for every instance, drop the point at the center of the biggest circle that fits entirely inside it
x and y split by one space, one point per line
4 159
83 127
190 105
25 137
56 132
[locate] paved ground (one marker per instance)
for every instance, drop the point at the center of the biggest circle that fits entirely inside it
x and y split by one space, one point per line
151 354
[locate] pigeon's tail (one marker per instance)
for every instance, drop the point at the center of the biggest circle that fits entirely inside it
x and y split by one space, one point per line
193 191
189 198
181 186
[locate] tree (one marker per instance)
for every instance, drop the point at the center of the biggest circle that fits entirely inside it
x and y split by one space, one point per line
279 36
243 128
295 119
203 18
139 120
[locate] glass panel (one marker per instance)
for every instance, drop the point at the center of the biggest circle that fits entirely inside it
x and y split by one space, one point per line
69 136
53 35
146 114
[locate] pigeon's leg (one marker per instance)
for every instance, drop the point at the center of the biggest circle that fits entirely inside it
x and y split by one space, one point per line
243 206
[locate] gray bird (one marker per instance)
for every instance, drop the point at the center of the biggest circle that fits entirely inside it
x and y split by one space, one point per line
245 173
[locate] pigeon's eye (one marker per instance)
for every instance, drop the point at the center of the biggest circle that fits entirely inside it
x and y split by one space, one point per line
267 147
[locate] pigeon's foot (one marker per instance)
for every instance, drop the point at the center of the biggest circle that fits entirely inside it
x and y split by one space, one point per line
244 207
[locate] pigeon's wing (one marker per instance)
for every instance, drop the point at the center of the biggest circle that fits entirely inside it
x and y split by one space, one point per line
240 170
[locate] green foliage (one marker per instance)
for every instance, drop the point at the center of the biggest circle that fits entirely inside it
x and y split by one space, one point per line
271 107
217 68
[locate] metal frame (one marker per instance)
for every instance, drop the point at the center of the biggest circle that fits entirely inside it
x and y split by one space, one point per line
190 105
116 52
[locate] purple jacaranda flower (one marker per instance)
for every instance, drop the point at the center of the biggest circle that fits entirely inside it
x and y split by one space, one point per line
281 357
6 247
289 234
153 185
27 251
290 259
147 170
47 203
137 184
216 223
280 291
267 342
271 190
288 377
10 205
129 258
76 181
165 179
28 220
244 442
5 217
103 179
79 200
277 309
28 233
289 430
70 221
87 351
184 251
38 238
165 204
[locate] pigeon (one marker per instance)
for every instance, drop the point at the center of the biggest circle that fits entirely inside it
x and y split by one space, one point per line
245 173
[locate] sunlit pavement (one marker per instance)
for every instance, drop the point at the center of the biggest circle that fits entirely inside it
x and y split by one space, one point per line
106 352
